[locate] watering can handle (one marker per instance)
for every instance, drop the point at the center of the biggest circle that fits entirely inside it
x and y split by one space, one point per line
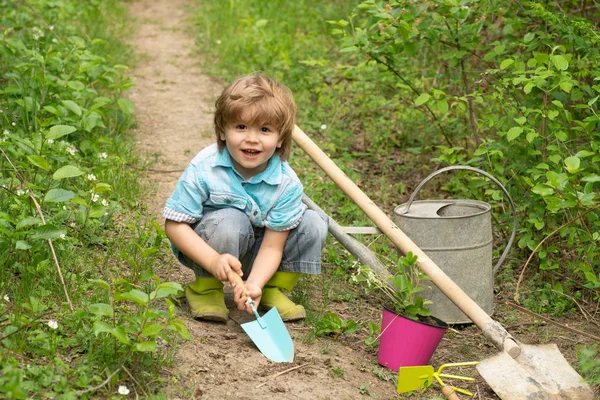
496 181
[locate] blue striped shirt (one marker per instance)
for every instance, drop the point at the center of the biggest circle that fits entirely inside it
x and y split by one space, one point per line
271 199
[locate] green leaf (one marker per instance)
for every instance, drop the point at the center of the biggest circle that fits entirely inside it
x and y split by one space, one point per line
152 330
506 63
559 62
542 190
39 162
22 245
58 131
71 105
164 292
97 211
101 310
556 180
180 328
58 196
261 22
48 232
76 85
531 135
591 178
28 221
100 283
422 99
520 120
561 135
68 171
514 133
566 85
145 346
102 187
442 106
135 295
102 327
126 106
121 335
572 164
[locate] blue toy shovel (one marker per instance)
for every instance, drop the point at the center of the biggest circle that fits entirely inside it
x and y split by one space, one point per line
268 332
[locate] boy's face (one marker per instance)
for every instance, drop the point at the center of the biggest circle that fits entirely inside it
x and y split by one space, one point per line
251 146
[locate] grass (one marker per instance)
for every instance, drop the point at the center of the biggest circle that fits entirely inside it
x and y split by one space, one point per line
103 335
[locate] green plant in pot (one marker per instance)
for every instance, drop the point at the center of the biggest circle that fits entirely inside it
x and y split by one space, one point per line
409 333
401 290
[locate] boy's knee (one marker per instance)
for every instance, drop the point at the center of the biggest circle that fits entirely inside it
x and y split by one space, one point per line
223 224
315 223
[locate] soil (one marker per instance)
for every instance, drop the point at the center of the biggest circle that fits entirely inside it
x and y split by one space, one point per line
174 102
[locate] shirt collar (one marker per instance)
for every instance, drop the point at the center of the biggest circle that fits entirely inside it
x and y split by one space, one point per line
271 175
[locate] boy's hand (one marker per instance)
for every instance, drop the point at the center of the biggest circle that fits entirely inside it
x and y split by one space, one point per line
223 264
241 294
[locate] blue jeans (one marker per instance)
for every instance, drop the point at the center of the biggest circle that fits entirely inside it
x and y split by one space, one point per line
228 230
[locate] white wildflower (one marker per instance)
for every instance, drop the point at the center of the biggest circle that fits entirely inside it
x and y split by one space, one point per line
51 27
91 177
37 33
52 324
323 127
105 202
54 40
62 236
14 124
71 150
6 132
123 390
20 192
6 298
219 42
102 155
95 197
50 141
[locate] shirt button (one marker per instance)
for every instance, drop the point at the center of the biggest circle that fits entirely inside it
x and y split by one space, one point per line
228 201
254 213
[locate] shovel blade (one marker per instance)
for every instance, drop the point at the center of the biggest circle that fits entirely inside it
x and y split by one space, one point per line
272 338
414 378
539 372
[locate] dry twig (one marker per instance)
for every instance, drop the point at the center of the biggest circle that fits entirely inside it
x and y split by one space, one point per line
93 389
270 378
39 210
548 320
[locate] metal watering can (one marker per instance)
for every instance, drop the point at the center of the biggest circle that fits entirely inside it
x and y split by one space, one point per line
457 236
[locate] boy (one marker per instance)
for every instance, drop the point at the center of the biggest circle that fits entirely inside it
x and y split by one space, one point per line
238 207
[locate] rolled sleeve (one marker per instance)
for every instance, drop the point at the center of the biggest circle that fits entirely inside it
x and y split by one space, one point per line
287 212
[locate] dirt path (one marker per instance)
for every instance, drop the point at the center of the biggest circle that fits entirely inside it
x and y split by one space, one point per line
174 102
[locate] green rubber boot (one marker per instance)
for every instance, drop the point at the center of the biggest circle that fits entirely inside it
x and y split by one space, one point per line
272 296
207 299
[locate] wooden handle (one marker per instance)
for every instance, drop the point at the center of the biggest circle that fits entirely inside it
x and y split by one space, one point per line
492 330
234 278
449 392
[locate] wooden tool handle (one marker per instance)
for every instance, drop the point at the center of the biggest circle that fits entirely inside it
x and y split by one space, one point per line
237 280
491 329
449 392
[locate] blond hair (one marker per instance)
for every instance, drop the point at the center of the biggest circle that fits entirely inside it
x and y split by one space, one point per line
262 101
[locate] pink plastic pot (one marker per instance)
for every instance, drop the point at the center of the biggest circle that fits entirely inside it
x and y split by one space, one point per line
404 342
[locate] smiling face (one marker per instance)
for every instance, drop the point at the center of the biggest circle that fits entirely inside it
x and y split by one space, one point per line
255 101
251 144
